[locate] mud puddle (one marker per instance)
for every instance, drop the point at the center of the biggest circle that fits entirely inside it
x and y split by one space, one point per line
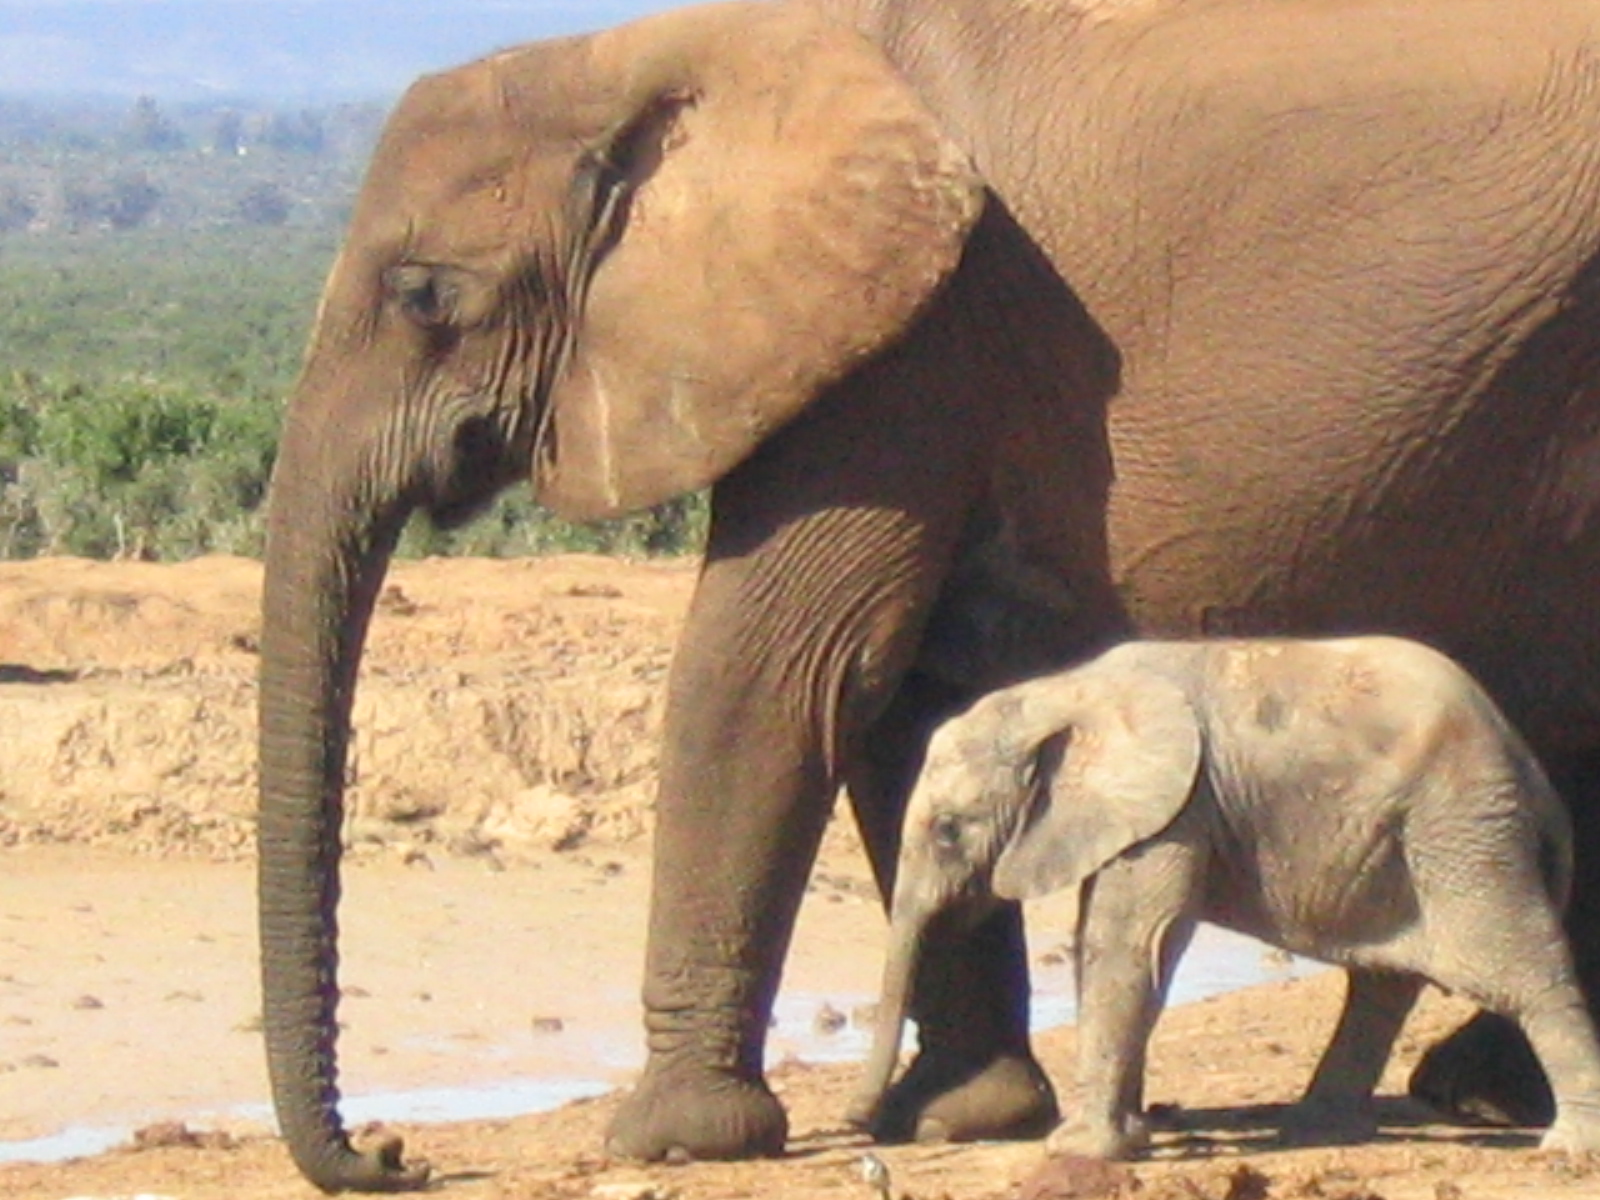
808 1026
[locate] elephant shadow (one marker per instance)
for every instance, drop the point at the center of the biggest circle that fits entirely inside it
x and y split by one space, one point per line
1253 1128
21 673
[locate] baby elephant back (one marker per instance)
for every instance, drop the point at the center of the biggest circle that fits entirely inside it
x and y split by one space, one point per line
1363 729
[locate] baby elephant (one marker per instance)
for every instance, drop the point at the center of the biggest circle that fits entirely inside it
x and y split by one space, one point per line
1359 801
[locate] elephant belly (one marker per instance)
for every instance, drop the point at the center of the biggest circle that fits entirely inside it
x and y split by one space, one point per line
1319 880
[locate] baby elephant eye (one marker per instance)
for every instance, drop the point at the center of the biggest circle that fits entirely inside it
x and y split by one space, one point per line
945 831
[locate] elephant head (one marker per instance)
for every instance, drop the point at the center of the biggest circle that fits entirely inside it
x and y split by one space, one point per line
1031 790
612 265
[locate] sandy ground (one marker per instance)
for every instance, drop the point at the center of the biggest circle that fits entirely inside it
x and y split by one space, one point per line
494 920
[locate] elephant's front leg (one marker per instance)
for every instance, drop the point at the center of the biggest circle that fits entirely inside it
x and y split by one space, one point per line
1136 919
780 661
974 1076
827 551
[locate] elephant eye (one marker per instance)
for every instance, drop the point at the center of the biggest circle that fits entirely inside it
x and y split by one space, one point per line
424 295
945 831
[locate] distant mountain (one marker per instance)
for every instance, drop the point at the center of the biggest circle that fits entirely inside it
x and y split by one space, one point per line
309 50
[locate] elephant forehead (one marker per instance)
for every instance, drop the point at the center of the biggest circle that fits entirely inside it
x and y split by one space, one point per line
464 186
468 151
958 765
978 735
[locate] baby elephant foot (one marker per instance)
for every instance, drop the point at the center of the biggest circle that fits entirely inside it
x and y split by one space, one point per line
1323 1123
1574 1132
1099 1140
941 1101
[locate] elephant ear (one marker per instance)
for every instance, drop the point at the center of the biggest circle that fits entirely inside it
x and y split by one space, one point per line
780 206
1115 759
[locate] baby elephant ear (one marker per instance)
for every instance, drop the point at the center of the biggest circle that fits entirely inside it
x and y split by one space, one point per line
1115 760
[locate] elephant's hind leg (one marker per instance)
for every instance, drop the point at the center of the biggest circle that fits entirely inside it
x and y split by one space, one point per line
1501 944
1486 1072
974 1076
1540 994
1337 1106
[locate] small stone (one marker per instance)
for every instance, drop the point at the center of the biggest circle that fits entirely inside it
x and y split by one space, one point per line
548 1024
829 1019
39 1062
88 1002
631 1189
1075 1177
175 1134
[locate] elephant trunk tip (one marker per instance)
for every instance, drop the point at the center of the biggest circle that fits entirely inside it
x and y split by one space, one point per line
380 1169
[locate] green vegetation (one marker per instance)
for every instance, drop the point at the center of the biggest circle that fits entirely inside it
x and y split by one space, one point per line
140 377
158 275
224 310
130 468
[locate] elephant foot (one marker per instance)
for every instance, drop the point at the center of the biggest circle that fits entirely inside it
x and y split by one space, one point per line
1099 1141
942 1100
1576 1130
1485 1073
706 1116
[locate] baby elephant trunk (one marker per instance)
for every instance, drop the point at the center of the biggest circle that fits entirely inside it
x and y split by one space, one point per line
905 939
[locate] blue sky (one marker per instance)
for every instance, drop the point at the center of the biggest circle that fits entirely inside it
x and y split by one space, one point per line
312 49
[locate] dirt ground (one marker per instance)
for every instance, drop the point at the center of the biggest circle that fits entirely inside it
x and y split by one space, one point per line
507 729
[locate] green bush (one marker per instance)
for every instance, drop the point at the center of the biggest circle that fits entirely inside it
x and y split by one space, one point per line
516 527
142 469
130 468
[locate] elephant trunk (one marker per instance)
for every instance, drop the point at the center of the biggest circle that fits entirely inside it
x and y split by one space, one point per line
331 531
894 1002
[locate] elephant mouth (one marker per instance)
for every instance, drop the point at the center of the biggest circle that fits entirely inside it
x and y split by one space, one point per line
455 512
480 467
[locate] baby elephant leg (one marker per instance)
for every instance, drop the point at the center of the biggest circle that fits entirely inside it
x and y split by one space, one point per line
1563 1036
1337 1106
1510 955
1137 916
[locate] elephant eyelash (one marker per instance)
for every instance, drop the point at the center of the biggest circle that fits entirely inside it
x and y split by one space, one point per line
425 297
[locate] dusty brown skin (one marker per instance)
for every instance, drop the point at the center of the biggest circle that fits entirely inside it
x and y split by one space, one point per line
999 332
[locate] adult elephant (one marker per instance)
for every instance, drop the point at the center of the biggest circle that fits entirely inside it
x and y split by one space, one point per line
998 329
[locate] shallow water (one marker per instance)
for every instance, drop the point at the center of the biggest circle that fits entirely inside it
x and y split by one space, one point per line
1218 961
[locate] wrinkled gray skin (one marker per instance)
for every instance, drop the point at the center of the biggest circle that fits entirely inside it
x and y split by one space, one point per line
998 330
1360 801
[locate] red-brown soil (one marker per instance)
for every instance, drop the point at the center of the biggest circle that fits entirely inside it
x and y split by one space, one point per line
508 725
